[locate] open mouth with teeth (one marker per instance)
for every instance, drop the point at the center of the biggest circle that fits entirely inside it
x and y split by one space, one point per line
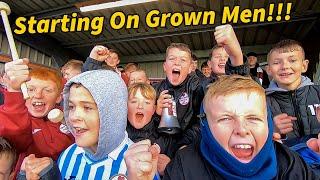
78 130
285 74
176 73
243 152
221 65
139 116
38 105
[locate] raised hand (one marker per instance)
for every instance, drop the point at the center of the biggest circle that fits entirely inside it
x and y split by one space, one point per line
141 159
17 72
226 37
99 53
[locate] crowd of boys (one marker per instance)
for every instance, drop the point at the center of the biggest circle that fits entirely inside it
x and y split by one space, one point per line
231 127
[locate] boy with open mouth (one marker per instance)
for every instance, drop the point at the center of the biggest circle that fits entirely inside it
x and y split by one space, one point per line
24 122
236 141
188 90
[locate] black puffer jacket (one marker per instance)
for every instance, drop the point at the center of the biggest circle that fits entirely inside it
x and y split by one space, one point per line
189 164
188 97
300 103
149 131
242 70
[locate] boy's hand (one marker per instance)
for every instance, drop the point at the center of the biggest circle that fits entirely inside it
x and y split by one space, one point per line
314 144
17 72
163 161
141 160
163 101
226 37
33 166
99 53
283 123
277 137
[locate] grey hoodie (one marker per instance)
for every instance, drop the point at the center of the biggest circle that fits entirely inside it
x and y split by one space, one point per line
111 96
305 81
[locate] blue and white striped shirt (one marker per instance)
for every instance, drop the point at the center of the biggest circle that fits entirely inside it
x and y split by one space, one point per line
74 164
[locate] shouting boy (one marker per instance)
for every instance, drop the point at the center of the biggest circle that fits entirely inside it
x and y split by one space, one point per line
24 122
236 141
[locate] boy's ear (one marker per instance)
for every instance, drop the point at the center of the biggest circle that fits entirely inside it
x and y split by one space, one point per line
267 68
190 67
59 98
209 63
305 64
154 108
164 66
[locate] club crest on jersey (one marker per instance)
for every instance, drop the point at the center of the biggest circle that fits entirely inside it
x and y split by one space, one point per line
119 177
184 99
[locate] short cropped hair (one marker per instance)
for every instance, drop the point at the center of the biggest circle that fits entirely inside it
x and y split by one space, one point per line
146 90
130 66
204 64
113 51
213 49
46 74
74 64
142 71
285 46
230 84
6 149
180 46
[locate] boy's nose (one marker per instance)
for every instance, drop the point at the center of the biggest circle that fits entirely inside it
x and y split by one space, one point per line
140 105
37 94
76 115
285 65
177 61
240 128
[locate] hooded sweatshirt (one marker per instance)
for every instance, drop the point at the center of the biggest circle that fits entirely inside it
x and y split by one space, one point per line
300 103
110 94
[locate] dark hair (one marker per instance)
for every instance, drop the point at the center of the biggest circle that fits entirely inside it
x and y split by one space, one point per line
194 57
7 149
113 51
204 64
287 45
252 54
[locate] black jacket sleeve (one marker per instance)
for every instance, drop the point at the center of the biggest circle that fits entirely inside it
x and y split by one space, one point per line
51 172
174 170
91 64
242 70
291 165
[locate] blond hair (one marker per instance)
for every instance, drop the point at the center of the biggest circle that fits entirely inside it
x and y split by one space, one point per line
230 84
74 64
142 71
287 45
131 66
146 90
